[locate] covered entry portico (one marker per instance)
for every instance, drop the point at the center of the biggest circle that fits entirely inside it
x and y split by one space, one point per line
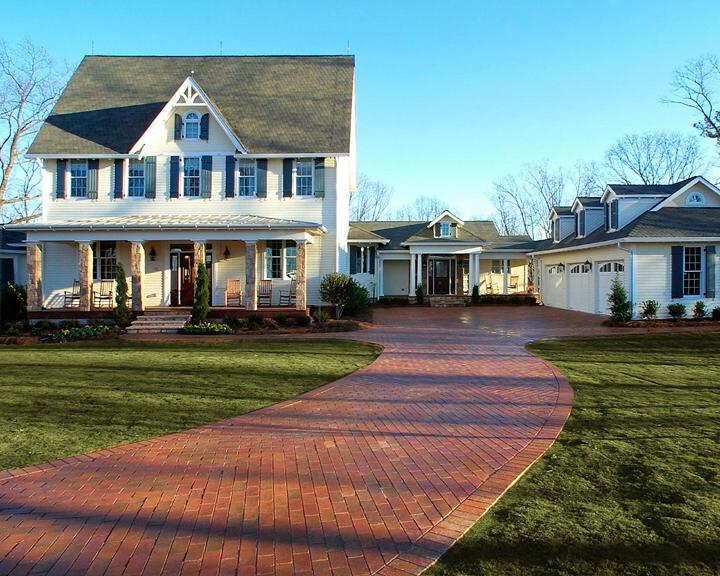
160 257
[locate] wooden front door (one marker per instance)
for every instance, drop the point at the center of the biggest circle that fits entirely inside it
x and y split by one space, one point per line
441 276
182 276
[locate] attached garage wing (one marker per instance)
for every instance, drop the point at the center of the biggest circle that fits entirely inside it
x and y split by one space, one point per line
553 287
607 271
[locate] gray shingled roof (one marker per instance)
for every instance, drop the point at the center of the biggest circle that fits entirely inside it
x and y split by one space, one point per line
562 210
665 223
274 104
400 232
649 189
589 201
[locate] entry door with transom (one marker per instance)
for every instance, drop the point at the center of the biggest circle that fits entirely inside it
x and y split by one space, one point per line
182 276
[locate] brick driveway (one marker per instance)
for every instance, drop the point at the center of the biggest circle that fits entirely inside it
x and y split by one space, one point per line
378 472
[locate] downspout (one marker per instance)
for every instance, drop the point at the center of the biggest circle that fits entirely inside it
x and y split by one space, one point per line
631 271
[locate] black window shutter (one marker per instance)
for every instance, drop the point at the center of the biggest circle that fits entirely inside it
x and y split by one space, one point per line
614 214
262 178
118 178
205 127
150 176
60 179
174 176
206 177
92 181
577 224
229 176
353 259
7 271
319 179
437 230
372 260
710 280
581 215
178 127
677 271
606 216
287 177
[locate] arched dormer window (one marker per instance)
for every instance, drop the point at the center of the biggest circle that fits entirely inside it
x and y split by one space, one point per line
191 126
695 199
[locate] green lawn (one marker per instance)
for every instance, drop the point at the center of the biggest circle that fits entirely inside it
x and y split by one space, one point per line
57 400
632 486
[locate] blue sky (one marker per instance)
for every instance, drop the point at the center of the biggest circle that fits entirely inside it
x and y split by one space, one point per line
450 95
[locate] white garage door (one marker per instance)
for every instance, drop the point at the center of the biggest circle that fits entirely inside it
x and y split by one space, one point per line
396 277
580 296
606 273
553 289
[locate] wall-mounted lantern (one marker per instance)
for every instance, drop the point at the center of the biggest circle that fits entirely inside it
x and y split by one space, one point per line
153 254
226 253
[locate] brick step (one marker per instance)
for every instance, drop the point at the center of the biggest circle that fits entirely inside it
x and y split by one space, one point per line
446 301
153 319
158 321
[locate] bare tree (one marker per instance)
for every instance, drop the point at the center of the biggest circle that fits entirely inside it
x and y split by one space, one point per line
423 208
694 87
371 200
506 216
587 179
29 87
654 158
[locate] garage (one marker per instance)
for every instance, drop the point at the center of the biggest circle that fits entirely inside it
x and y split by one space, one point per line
606 273
553 292
579 285
396 277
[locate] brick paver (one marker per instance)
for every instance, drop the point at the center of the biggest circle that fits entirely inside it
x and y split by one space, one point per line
379 472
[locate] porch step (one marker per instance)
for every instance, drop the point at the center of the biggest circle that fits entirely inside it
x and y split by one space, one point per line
156 321
446 301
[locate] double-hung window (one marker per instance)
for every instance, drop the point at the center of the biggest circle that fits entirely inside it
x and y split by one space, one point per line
444 229
280 259
191 177
136 178
692 270
247 178
191 126
78 178
104 260
304 178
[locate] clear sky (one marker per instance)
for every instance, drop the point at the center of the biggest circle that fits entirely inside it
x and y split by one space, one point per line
450 95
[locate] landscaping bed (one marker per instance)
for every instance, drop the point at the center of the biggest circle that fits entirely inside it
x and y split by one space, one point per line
632 485
77 397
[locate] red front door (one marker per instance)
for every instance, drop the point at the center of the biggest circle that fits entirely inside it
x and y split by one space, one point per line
182 276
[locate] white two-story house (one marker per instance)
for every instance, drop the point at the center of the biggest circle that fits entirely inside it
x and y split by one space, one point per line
158 163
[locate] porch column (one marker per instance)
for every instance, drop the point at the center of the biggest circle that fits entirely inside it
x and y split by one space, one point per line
506 266
413 275
300 277
85 261
137 270
251 275
471 273
199 256
34 278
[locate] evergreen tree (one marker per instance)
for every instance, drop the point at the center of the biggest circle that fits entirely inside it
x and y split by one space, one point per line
121 312
201 306
620 305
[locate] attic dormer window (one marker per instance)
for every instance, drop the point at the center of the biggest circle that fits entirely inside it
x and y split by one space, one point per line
191 126
695 199
444 230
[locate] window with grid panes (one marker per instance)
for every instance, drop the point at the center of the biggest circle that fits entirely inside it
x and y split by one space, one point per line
692 271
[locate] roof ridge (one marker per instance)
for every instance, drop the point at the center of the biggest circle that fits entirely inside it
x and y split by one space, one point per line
347 56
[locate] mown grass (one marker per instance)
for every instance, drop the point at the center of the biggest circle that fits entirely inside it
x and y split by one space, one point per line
58 400
632 486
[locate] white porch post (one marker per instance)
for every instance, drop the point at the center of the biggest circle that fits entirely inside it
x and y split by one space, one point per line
300 276
85 273
506 266
413 274
378 276
418 271
137 271
472 273
251 275
34 278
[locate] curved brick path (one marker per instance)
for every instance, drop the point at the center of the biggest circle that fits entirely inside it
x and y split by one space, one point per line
379 472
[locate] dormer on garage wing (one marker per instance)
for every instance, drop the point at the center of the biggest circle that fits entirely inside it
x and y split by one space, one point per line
562 222
588 213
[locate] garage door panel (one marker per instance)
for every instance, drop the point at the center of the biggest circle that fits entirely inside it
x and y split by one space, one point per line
607 271
553 290
579 287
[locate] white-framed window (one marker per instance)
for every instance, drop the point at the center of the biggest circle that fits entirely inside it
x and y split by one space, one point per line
104 260
191 126
444 229
191 177
247 178
304 178
78 178
362 256
500 266
695 199
136 178
280 259
612 267
692 270
580 269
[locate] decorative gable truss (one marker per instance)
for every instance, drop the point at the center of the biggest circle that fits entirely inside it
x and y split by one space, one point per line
696 199
189 94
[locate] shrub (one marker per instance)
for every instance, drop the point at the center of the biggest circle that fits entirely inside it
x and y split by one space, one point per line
302 320
42 327
620 305
716 313
699 310
235 323
68 324
676 311
206 328
321 317
649 309
420 294
281 319
201 305
359 299
15 328
337 289
81 333
13 303
270 324
475 297
121 311
254 319
341 326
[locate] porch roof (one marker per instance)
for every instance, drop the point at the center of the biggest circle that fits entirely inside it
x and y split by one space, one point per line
174 222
